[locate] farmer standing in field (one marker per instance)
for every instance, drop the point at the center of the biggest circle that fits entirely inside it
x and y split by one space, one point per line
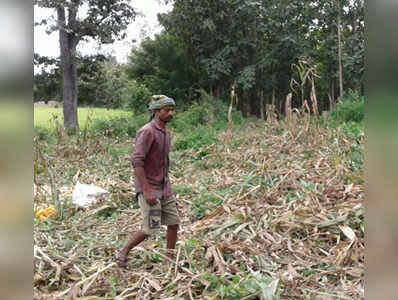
151 163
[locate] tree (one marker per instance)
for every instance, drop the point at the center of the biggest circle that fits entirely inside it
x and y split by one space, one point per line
46 82
340 46
327 45
104 21
252 44
90 70
163 65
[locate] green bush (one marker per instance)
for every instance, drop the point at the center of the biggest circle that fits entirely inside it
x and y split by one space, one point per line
42 132
118 127
200 114
349 109
195 138
204 205
220 109
243 286
136 97
194 116
353 129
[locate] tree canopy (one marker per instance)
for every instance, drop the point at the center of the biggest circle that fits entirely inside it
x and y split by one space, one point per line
256 46
103 20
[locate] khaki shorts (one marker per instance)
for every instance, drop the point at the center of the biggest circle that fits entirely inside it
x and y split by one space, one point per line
164 212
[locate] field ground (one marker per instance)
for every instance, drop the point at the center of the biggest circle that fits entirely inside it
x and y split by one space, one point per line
45 116
269 211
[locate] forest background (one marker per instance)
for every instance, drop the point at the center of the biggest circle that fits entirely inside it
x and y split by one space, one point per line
257 46
266 159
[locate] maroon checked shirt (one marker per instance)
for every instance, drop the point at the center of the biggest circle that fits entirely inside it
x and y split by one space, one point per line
151 152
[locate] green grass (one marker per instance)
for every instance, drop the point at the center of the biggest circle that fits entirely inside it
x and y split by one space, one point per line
44 116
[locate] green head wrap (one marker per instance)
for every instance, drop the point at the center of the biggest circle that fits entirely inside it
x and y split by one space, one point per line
160 101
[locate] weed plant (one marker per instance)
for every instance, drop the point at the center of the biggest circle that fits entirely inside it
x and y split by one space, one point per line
348 109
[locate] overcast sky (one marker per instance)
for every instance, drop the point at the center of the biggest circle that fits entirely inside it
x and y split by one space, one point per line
145 25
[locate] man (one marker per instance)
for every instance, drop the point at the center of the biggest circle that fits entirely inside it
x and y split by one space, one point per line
151 163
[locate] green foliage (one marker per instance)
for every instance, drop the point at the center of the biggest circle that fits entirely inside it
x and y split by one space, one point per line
206 110
194 116
354 129
115 87
251 286
247 77
71 131
349 109
136 97
204 204
164 66
198 125
102 82
358 220
104 20
106 84
112 281
42 132
47 86
254 43
213 44
91 80
118 127
195 139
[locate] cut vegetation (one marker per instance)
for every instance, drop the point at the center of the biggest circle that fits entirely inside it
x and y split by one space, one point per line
269 211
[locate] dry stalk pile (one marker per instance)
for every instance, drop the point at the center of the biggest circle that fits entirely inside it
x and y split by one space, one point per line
276 211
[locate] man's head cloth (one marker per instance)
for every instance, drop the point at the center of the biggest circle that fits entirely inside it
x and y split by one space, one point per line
160 101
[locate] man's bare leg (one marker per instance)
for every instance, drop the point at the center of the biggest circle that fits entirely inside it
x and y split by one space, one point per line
121 257
171 238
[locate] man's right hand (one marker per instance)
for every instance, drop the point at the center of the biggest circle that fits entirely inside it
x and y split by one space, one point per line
150 197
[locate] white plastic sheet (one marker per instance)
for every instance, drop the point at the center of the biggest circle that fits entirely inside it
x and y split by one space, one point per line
85 195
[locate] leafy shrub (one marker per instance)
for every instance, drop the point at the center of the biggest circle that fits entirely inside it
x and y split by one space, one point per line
353 129
118 127
204 204
42 132
248 286
349 109
192 138
195 116
220 109
136 97
72 131
208 109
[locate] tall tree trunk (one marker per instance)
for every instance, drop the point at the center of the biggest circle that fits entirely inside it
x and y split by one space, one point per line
340 49
68 43
262 104
248 103
233 97
331 95
273 96
218 91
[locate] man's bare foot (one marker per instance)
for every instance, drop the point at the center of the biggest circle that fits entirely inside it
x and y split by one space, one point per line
170 255
121 260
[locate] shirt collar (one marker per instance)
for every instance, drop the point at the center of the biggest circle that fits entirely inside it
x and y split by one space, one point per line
158 127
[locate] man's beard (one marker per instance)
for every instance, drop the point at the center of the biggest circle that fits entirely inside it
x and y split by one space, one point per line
166 120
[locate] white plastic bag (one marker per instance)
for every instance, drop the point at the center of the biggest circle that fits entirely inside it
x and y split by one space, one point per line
85 195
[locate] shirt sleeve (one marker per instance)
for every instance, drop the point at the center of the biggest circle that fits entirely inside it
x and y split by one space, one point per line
143 143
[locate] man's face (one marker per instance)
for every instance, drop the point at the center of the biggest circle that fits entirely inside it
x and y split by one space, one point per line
166 113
